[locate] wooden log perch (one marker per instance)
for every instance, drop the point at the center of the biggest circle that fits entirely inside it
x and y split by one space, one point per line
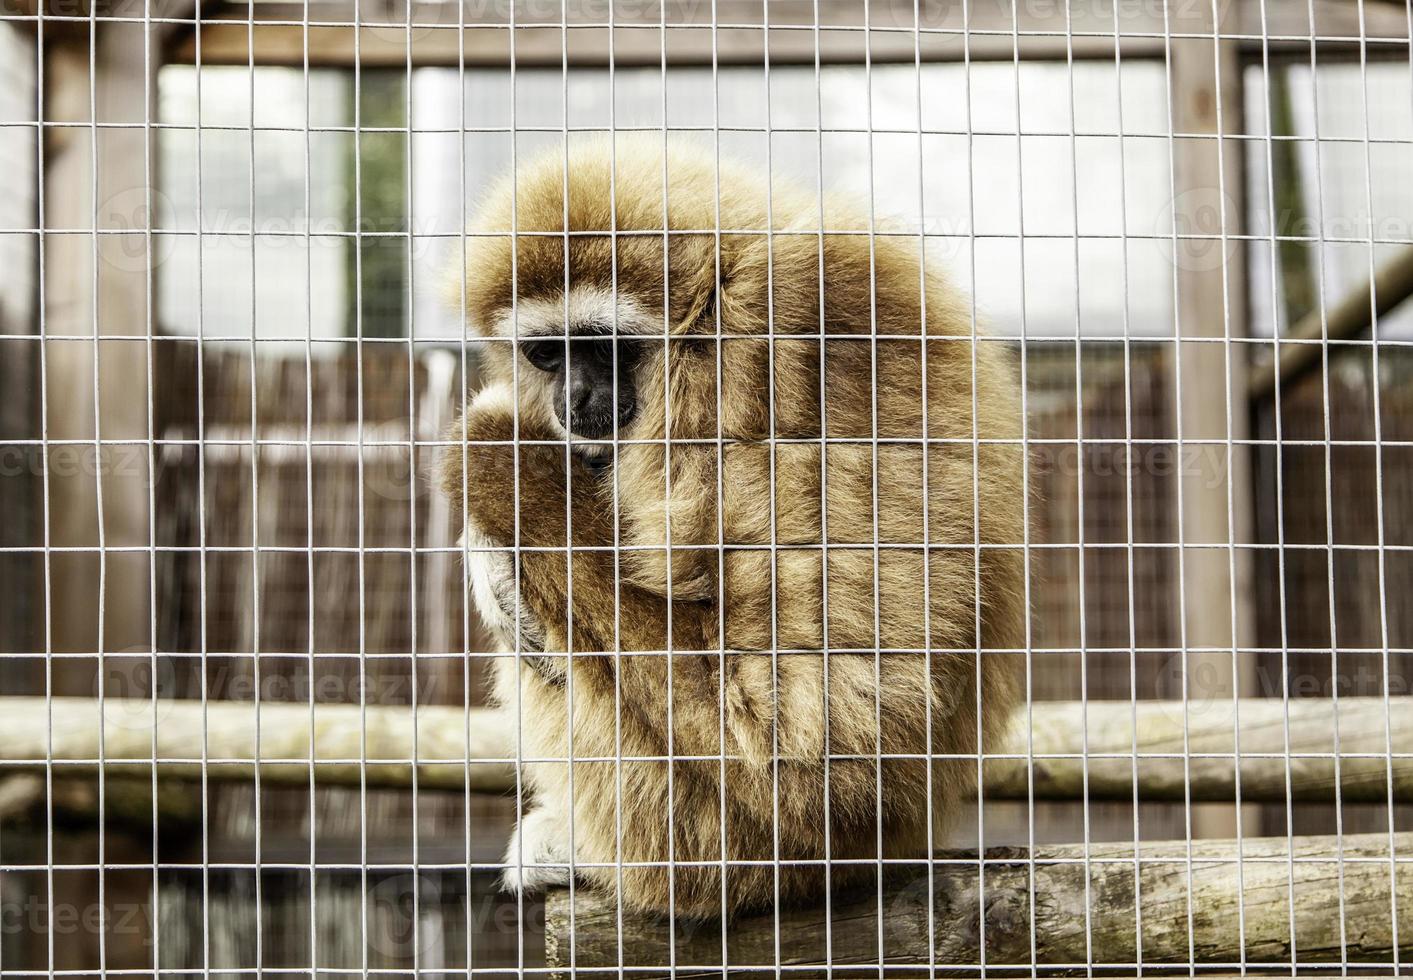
1213 911
349 744
343 740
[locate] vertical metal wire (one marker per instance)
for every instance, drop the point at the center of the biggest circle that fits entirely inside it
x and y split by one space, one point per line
45 448
255 498
1329 487
310 661
617 498
1025 485
412 552
1231 449
1376 407
873 421
1171 92
202 606
357 299
924 381
720 449
824 556
516 643
667 424
1128 484
1279 480
973 330
149 327
771 448
1081 598
95 163
569 646
463 504
1383 566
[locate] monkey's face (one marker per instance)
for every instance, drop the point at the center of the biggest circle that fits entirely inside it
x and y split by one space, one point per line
584 362
594 306
590 379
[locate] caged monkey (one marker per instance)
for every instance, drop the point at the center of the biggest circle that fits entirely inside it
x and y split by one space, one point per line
649 437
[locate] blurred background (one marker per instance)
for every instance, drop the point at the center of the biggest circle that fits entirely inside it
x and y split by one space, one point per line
227 355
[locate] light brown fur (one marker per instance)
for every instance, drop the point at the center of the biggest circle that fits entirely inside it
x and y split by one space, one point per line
771 708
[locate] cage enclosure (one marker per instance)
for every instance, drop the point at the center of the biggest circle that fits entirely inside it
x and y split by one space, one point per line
1028 380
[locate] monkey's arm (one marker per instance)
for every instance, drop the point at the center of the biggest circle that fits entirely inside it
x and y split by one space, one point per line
767 701
608 612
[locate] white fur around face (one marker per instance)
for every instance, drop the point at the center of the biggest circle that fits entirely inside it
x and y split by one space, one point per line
486 572
547 317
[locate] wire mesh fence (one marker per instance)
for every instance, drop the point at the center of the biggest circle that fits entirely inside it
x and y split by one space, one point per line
837 487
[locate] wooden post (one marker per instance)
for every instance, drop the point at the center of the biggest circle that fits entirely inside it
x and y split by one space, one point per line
1206 93
97 288
97 285
19 406
1084 913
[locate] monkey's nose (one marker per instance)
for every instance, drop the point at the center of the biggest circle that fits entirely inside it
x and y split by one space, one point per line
590 413
581 396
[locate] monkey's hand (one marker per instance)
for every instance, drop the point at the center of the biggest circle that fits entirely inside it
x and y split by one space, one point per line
518 498
521 494
538 854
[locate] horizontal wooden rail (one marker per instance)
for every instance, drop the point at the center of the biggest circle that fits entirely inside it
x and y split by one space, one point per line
1208 902
223 740
1057 750
646 35
1188 750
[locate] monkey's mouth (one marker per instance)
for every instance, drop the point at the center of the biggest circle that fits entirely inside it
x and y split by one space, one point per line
599 463
601 426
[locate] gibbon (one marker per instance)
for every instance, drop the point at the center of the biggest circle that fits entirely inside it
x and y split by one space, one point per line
754 393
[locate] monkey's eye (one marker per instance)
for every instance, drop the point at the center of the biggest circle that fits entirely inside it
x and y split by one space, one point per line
547 355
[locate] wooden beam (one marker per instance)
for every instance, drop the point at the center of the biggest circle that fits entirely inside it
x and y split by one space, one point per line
1045 31
1066 766
1271 732
438 45
1207 901
345 738
1355 313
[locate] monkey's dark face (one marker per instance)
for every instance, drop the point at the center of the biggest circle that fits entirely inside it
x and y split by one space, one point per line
591 381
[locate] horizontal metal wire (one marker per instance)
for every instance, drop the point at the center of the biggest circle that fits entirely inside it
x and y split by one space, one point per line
473 130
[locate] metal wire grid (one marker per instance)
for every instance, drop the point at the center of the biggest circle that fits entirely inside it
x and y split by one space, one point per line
1181 547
